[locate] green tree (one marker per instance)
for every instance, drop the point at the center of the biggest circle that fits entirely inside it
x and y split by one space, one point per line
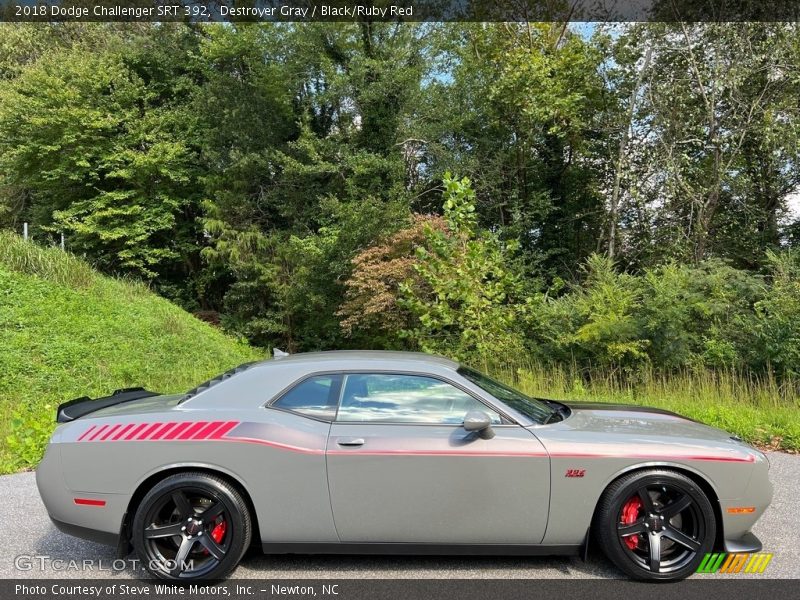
519 108
99 145
468 299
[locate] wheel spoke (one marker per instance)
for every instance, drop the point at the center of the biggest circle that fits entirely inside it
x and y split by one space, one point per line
212 512
182 504
654 541
644 496
163 531
631 528
676 507
681 538
213 548
180 557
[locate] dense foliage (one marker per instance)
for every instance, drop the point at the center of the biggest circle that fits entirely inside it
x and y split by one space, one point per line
66 332
626 207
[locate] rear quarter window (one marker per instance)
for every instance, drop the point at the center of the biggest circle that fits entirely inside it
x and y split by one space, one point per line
315 397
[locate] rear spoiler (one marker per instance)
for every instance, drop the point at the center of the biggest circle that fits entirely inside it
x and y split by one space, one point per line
79 407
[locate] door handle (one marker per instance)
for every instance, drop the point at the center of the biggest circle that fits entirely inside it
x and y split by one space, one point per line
350 441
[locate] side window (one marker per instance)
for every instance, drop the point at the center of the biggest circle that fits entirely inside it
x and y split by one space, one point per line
405 399
314 397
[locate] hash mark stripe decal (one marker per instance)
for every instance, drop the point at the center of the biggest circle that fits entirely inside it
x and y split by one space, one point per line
146 433
191 431
160 433
87 432
98 432
122 431
224 429
135 431
109 432
208 429
177 430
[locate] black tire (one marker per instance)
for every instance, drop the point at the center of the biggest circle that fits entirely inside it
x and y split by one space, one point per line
655 525
193 515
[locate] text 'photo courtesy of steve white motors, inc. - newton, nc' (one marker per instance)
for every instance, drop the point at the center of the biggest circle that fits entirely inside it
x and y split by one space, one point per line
161 590
274 12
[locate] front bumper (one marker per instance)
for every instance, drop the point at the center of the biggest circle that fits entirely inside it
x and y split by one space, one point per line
736 525
746 543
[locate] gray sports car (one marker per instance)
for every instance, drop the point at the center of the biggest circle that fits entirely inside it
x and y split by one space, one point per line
390 452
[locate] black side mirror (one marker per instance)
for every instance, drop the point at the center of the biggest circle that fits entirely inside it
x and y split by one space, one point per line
479 422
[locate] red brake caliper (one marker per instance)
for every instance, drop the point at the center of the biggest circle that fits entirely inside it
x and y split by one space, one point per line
630 512
218 532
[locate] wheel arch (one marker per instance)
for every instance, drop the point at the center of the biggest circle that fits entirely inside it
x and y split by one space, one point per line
696 476
154 478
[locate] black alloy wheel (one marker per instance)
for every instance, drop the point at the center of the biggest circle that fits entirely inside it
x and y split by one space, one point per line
191 526
655 525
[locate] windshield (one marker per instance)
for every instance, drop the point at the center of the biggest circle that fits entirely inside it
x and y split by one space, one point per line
534 409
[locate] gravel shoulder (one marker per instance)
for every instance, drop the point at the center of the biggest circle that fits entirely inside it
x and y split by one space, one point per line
34 535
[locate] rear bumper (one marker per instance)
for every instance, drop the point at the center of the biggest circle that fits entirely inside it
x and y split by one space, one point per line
93 516
746 543
93 535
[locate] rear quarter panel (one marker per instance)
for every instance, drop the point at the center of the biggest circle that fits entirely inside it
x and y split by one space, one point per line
277 457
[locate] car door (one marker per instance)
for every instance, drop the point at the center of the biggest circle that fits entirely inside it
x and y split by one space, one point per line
402 468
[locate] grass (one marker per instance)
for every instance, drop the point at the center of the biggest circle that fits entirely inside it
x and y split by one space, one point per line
66 331
761 410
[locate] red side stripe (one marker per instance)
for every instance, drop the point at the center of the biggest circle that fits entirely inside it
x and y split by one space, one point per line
178 430
223 430
749 458
300 449
122 431
89 502
187 435
136 430
87 432
146 433
208 429
110 431
160 433
98 432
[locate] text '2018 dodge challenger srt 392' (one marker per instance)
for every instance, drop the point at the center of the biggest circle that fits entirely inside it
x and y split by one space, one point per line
391 452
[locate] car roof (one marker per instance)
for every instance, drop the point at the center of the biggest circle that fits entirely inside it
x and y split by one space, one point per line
358 358
268 377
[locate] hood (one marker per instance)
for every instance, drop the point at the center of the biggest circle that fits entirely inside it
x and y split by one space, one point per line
625 431
632 420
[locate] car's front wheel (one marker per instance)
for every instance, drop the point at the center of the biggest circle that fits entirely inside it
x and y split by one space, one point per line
655 525
191 526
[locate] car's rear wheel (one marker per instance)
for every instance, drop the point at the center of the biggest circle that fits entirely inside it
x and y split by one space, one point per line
655 525
191 526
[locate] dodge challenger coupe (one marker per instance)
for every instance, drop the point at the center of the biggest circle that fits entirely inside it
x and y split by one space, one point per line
392 452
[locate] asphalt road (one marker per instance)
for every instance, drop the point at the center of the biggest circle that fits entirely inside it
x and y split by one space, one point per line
27 531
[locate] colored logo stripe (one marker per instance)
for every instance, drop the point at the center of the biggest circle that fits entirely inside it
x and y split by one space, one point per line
734 563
